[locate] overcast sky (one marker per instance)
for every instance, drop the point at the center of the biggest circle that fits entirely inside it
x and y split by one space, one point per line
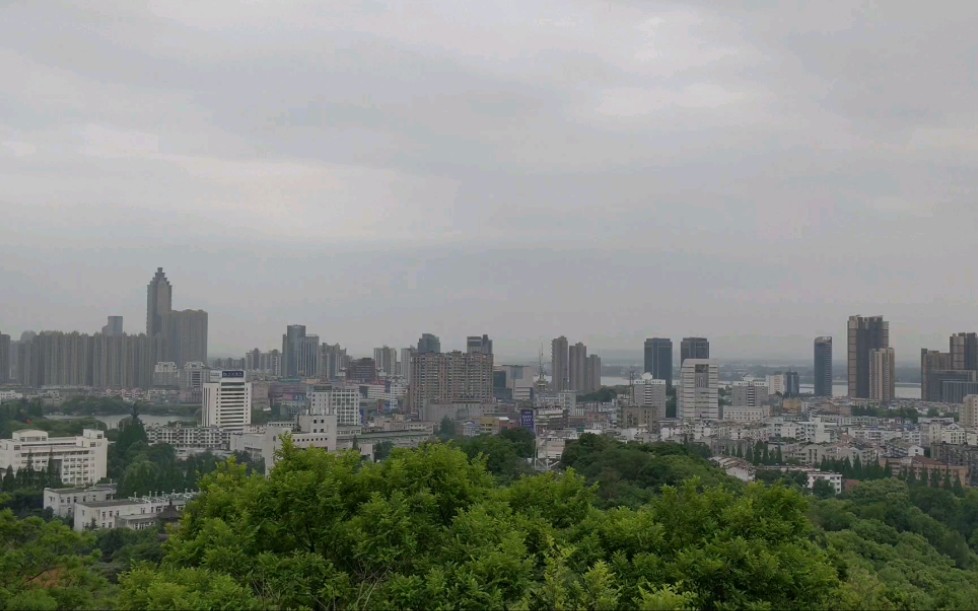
753 172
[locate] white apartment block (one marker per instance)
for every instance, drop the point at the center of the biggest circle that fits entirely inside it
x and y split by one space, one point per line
80 460
134 513
833 478
61 501
166 374
775 383
343 401
698 393
227 400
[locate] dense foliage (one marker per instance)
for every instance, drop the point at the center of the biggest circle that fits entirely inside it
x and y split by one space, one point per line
622 526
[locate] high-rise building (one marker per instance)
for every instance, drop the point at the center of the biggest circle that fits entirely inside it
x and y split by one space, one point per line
933 364
964 351
429 343
386 359
592 373
698 395
407 354
882 374
560 373
332 360
159 301
694 348
192 380
474 343
292 347
823 366
648 391
658 359
227 400
577 367
864 334
452 377
792 384
184 334
113 326
4 358
968 418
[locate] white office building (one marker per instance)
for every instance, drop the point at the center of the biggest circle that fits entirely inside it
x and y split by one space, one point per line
698 396
133 513
79 460
61 501
343 401
227 400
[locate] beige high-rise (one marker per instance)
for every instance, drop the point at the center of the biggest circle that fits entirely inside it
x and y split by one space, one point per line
882 375
558 363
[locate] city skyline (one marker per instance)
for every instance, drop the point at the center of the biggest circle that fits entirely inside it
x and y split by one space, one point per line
415 172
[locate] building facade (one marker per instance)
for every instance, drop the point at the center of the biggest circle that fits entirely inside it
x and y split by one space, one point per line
559 365
882 375
864 335
227 400
577 367
694 348
823 366
474 343
698 395
446 378
79 461
658 358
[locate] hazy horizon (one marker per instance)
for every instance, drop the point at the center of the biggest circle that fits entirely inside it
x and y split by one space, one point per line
604 171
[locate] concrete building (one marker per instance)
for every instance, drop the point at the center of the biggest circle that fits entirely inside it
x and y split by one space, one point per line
166 375
341 401
61 501
694 348
658 358
968 418
592 373
184 334
864 335
113 326
184 437
407 354
559 365
955 392
698 395
193 376
429 343
446 378
823 366
159 301
332 360
933 363
386 359
474 343
882 375
775 384
300 353
79 460
577 367
650 392
749 394
792 384
133 513
227 400
361 371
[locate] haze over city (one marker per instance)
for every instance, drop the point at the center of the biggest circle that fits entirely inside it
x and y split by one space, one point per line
608 171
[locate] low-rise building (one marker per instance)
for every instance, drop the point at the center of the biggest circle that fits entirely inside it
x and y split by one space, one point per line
61 501
79 460
124 513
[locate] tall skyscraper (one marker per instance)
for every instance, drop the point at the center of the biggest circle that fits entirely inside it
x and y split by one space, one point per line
792 384
332 359
577 367
694 348
159 301
292 346
698 395
964 351
823 366
933 363
386 359
407 354
882 374
474 343
658 359
429 343
864 335
558 362
592 373
113 327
